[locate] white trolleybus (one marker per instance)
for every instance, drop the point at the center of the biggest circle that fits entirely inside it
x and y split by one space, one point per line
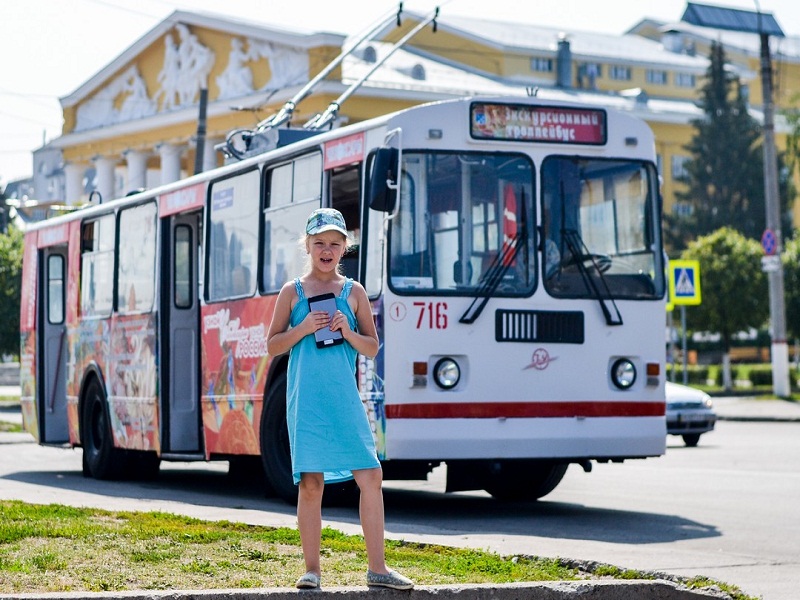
512 252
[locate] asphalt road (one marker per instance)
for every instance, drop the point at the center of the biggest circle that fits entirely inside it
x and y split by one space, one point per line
726 509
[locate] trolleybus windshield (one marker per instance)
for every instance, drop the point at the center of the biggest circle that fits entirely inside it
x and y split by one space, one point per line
458 214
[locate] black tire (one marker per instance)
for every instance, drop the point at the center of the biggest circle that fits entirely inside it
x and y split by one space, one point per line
100 459
524 481
143 465
245 469
275 453
691 439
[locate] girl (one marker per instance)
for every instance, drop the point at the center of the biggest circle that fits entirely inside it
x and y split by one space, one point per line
329 434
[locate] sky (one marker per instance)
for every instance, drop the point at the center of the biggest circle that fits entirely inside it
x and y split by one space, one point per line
51 47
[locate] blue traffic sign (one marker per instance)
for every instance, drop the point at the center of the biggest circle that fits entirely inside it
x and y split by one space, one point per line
684 282
769 242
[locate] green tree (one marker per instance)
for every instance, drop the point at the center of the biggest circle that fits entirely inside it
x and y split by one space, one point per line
733 287
725 176
10 285
791 283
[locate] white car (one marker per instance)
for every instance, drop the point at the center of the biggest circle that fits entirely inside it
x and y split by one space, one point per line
690 413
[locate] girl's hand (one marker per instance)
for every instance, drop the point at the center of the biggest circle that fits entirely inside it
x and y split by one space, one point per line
315 320
340 322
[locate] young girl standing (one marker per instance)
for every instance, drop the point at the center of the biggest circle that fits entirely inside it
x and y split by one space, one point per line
329 434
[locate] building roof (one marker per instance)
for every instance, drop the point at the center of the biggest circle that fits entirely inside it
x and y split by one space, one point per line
446 80
625 48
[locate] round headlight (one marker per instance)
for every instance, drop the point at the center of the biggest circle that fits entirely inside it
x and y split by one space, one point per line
446 373
623 373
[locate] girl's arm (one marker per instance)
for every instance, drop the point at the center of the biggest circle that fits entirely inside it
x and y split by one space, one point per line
365 341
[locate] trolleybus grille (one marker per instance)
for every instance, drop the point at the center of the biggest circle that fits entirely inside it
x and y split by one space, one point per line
539 326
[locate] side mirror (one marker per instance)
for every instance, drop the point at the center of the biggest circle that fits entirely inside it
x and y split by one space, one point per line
383 180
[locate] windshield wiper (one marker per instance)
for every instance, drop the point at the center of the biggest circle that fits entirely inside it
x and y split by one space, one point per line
580 256
498 268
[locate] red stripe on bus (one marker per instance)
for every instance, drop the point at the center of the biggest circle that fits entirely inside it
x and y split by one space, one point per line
512 410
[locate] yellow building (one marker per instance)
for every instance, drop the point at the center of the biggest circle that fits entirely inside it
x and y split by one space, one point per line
135 123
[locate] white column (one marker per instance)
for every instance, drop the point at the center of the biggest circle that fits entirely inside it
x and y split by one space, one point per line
170 162
209 154
73 183
105 176
137 169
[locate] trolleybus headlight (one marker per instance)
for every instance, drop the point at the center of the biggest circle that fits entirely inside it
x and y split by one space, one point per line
446 373
623 373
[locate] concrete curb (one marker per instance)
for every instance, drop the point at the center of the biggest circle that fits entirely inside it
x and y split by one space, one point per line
759 419
556 590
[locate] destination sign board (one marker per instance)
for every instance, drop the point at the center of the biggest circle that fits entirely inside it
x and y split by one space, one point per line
525 123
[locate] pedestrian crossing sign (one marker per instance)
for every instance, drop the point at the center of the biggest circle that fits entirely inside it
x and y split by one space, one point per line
684 282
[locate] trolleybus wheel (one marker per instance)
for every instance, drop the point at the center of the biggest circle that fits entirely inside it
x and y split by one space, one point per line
100 459
525 481
143 465
275 454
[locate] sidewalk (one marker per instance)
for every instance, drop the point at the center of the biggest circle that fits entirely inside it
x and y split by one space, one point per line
746 408
728 408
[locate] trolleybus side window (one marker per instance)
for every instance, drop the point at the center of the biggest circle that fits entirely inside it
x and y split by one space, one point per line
233 236
464 219
137 259
371 245
292 190
97 267
345 193
55 289
601 221
183 256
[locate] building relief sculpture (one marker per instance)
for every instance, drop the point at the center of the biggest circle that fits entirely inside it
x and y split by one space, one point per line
187 64
288 66
124 99
184 72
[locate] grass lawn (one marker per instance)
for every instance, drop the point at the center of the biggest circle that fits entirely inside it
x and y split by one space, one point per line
55 548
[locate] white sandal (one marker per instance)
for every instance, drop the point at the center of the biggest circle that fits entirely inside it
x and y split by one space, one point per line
309 581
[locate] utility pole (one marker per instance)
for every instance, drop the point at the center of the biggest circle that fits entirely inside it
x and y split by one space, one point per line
762 24
777 308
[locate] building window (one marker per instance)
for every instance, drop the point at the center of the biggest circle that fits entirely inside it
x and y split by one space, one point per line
679 172
619 72
656 76
588 73
682 209
686 80
543 65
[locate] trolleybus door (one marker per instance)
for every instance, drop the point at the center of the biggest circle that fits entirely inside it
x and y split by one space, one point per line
180 334
52 371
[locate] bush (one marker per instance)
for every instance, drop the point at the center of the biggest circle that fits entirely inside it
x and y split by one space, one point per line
696 374
760 375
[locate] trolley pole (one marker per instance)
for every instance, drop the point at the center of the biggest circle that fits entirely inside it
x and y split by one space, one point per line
777 309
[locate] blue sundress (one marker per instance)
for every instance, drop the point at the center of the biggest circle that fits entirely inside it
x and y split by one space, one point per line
329 431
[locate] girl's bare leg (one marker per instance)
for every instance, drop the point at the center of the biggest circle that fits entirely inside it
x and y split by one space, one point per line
309 518
371 511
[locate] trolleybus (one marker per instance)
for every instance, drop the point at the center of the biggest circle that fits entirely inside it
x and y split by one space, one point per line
512 252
